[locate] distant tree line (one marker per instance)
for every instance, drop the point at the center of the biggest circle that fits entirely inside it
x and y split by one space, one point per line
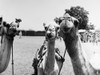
32 33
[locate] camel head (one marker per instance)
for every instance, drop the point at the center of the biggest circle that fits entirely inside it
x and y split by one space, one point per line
68 23
51 30
8 29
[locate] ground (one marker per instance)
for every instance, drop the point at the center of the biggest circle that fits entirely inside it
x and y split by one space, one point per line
24 52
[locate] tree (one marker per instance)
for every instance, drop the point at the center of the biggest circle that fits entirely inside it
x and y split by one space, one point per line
79 13
90 27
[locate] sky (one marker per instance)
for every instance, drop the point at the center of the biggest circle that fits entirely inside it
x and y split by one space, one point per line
36 12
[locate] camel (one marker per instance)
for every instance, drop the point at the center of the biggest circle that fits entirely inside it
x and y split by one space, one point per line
8 33
48 65
69 33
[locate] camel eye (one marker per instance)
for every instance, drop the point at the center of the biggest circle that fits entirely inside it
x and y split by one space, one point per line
57 28
46 28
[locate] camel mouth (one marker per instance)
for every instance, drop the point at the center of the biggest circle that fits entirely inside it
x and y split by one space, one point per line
65 29
12 32
50 36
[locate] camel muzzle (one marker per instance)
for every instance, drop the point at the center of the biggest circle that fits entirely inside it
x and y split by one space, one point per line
66 30
49 35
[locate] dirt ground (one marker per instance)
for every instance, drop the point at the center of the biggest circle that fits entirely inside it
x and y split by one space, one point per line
24 52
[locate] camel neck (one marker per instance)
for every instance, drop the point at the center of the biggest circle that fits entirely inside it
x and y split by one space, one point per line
5 51
50 59
80 65
51 45
71 45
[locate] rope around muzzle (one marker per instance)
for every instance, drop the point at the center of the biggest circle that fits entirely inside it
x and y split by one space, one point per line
62 62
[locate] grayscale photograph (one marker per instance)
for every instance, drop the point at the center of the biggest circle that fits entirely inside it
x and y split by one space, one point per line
49 37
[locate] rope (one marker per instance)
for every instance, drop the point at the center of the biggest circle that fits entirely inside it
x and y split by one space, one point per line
62 62
12 61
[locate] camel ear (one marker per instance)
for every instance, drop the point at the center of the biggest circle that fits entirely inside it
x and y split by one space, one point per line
45 26
4 23
57 28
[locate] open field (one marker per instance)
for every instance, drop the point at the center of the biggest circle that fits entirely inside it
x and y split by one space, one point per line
24 51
